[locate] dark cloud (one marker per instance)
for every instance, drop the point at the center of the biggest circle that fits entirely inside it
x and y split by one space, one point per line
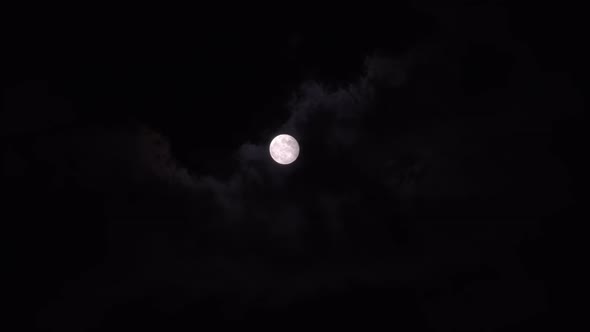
418 184
171 222
353 191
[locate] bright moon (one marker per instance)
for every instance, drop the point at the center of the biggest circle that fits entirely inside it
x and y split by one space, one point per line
284 149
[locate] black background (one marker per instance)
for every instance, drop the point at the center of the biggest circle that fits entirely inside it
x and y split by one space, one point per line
485 130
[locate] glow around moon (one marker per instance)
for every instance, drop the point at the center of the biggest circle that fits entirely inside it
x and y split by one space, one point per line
284 149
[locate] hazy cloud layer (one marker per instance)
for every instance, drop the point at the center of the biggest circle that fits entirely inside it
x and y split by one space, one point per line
397 170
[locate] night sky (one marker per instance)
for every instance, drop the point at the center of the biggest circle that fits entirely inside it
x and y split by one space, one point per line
437 188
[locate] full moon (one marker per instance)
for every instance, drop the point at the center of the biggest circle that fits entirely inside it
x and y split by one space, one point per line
284 149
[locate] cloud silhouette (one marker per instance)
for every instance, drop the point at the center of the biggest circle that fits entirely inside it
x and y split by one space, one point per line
406 180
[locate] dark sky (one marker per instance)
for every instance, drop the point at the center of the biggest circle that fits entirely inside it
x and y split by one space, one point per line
437 187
